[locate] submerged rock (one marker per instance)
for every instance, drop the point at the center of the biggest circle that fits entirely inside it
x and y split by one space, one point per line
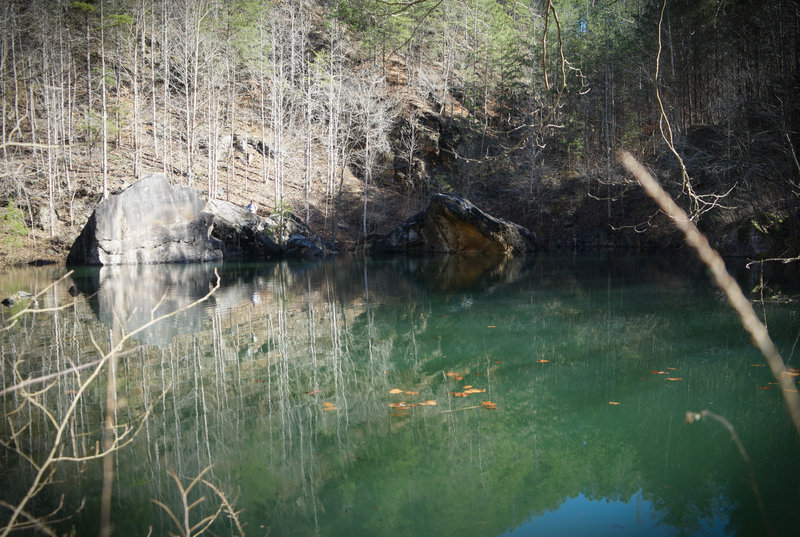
12 300
454 225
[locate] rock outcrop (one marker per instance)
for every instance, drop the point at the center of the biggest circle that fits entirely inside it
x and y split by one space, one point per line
150 222
454 225
239 234
155 222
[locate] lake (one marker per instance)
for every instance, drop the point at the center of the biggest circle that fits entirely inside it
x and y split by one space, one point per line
445 396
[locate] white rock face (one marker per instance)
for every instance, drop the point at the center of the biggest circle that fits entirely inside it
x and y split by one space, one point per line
150 222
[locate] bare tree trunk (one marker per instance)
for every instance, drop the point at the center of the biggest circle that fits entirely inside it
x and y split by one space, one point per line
167 160
105 110
153 76
88 86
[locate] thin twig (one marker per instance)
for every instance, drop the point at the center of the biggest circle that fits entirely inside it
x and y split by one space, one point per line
692 417
12 321
462 408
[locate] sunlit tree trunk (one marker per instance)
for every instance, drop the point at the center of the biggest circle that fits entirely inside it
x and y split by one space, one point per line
105 109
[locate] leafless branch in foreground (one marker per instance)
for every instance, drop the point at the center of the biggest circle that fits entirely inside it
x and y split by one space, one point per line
183 523
750 321
45 469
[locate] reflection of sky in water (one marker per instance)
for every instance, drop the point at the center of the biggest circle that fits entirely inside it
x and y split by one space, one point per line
581 517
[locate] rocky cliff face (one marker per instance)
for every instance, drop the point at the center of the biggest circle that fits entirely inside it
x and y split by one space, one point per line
454 225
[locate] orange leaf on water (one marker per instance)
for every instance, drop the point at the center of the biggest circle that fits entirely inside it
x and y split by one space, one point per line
327 405
489 405
658 372
467 387
411 393
459 394
542 361
765 387
491 326
474 390
756 365
395 390
401 404
674 378
671 368
613 403
430 402
498 362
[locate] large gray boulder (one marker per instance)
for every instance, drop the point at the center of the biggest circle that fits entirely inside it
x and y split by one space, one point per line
454 225
150 222
155 222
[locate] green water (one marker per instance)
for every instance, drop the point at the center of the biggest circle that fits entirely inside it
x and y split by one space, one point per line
282 381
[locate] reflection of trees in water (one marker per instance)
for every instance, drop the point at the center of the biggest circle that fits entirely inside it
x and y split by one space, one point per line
246 394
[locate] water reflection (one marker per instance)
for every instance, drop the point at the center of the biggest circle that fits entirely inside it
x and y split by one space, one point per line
288 396
635 516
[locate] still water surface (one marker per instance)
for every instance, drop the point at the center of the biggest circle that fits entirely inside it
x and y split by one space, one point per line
451 396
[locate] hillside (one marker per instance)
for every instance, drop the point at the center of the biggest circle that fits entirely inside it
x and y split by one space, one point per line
351 114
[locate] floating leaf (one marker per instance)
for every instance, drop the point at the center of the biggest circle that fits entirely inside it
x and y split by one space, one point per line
613 403
756 365
765 387
475 390
429 402
395 390
489 405
491 326
674 378
791 373
411 393
467 387
498 362
658 372
327 405
542 361
459 394
400 404
671 368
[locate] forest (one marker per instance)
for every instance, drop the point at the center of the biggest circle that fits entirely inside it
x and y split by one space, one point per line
350 114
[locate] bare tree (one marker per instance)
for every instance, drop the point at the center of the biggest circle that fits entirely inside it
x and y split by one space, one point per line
373 113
